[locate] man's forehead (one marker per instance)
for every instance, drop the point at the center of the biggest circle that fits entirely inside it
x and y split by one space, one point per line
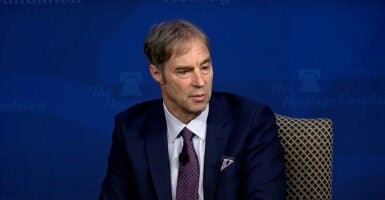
183 47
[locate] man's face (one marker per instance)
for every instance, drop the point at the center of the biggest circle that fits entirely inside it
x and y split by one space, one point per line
186 83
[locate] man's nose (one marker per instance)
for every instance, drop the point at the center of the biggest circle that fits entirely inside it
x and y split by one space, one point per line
197 79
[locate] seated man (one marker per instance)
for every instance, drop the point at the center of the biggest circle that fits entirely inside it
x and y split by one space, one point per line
193 143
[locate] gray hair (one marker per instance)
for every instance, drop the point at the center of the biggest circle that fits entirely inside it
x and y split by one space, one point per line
167 38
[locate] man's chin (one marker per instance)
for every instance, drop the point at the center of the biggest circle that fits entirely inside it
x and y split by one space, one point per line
198 108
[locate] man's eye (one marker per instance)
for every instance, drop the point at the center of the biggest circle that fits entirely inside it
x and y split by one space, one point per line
205 69
183 73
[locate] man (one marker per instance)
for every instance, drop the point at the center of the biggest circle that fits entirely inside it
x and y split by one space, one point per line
233 151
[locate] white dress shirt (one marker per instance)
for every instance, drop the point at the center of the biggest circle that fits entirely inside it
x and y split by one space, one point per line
175 144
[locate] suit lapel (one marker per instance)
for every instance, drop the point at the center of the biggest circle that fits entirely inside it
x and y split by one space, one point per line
157 152
218 131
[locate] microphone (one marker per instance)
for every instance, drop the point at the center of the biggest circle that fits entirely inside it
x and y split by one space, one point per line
183 157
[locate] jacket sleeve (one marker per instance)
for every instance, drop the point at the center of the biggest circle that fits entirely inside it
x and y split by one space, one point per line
264 167
117 185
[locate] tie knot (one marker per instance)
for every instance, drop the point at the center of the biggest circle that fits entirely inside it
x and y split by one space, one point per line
187 134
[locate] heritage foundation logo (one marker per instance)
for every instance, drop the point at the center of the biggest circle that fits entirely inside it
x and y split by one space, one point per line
122 96
307 92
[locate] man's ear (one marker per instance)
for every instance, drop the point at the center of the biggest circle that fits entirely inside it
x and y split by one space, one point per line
156 74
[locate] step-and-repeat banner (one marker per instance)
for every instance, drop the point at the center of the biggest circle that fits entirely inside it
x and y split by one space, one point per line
68 66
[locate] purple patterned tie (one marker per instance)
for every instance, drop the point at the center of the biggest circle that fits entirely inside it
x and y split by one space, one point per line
188 175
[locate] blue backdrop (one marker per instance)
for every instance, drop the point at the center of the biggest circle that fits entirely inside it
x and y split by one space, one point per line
68 66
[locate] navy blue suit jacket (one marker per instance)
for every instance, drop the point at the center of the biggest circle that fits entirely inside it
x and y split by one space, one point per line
138 166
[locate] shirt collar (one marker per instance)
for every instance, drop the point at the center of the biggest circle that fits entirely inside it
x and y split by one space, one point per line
197 125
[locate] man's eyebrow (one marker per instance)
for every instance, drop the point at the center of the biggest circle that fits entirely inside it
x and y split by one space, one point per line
184 68
207 60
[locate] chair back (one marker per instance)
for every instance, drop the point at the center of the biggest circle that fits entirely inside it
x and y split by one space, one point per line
308 145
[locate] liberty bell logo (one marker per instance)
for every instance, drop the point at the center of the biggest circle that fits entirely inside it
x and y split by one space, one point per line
130 84
309 81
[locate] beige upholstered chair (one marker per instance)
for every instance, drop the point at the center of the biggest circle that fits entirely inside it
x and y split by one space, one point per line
308 145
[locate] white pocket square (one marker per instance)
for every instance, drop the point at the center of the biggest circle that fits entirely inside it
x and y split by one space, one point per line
226 161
